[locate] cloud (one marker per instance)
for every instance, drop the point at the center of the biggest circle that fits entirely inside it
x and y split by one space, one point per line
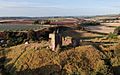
50 11
13 0
25 3
44 8
116 6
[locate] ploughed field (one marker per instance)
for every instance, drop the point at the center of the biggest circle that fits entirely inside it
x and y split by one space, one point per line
111 24
20 27
100 29
104 28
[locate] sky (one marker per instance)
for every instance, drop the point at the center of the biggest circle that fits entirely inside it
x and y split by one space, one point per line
40 8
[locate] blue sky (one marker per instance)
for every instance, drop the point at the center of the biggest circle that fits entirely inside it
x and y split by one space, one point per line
39 8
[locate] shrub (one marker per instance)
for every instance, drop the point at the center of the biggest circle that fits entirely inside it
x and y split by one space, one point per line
112 36
31 35
117 31
36 22
90 23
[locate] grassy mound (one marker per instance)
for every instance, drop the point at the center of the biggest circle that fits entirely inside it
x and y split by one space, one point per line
37 59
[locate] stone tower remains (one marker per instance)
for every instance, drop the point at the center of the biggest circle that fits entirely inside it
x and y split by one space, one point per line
55 41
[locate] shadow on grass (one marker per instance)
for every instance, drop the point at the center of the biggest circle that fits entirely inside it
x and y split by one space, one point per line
44 70
3 69
83 38
116 70
64 48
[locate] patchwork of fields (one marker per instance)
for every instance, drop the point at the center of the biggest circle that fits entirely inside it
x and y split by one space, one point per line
96 53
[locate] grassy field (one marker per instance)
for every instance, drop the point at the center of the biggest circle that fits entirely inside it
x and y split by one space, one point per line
37 59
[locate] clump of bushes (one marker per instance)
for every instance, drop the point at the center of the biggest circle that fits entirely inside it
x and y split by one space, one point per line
42 22
15 38
117 31
89 24
31 35
84 24
112 36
